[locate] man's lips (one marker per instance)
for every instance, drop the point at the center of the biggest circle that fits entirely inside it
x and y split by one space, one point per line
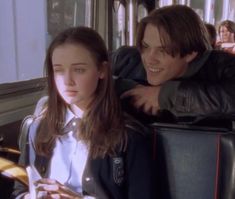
154 69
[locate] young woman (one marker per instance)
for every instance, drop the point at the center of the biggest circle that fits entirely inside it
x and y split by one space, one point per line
82 143
227 36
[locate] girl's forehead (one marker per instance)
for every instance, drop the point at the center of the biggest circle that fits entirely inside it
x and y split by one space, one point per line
223 28
70 53
71 49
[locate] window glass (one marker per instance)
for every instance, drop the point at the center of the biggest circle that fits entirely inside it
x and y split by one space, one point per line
63 14
26 29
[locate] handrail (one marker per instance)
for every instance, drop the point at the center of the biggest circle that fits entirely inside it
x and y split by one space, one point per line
13 171
9 150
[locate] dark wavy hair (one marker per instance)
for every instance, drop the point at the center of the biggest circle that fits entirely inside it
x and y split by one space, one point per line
181 30
102 127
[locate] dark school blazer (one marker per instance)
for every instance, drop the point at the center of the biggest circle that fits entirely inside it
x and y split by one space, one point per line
127 175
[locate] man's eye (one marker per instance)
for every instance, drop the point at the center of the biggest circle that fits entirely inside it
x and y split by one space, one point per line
161 50
144 45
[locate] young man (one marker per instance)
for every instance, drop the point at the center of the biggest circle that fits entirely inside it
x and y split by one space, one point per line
184 75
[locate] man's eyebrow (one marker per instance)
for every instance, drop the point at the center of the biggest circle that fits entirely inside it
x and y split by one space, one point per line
159 47
143 42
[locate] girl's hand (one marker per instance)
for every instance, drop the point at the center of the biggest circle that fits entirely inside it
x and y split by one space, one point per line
26 196
55 190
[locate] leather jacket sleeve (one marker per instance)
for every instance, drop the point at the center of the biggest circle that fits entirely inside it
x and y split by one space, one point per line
210 91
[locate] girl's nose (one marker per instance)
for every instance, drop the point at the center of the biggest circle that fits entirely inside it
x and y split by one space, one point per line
68 78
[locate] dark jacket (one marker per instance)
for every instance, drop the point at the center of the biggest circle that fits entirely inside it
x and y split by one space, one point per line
127 175
126 63
207 89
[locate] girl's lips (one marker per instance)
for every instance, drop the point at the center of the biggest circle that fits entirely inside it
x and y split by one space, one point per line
71 93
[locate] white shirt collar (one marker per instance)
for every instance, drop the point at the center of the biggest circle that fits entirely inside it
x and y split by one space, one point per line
70 115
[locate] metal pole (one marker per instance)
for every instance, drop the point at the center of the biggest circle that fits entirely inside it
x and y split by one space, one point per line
225 9
132 15
209 11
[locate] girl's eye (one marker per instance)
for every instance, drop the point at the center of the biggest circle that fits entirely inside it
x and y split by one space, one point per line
57 70
79 70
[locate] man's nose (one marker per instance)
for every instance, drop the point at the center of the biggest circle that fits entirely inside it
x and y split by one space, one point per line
153 55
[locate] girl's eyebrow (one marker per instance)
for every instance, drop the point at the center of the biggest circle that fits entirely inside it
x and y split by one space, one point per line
79 63
54 65
73 64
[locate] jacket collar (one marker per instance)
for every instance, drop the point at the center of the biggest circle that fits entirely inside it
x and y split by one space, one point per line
70 115
196 64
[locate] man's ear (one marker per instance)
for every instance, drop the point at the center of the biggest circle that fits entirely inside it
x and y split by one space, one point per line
191 56
103 69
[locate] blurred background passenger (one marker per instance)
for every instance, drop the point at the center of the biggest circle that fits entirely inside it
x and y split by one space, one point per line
212 34
226 35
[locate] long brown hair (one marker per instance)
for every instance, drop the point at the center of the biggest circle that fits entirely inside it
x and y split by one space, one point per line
102 127
181 30
230 25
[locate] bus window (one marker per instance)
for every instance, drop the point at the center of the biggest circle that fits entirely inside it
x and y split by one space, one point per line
64 14
27 28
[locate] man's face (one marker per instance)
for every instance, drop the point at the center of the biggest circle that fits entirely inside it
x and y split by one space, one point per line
160 66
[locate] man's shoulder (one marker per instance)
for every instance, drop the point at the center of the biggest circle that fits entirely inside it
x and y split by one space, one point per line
127 63
126 49
220 54
219 58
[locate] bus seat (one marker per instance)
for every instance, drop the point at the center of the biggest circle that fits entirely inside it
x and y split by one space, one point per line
9 171
13 171
193 162
27 121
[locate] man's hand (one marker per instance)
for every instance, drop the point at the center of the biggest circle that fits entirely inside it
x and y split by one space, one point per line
144 98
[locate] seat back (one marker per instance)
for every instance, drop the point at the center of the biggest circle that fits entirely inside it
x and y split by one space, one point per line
194 162
9 171
27 121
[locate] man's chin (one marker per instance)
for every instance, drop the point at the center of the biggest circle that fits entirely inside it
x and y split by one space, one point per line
154 82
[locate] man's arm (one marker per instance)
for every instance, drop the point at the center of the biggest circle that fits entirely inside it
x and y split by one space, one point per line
195 98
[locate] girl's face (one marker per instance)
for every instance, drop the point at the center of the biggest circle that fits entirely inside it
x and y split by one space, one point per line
225 35
76 74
